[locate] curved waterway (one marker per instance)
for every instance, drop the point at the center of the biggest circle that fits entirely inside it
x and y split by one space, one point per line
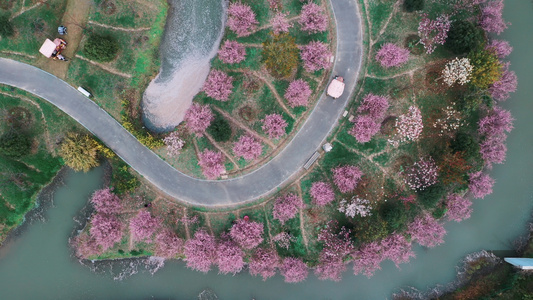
36 264
192 35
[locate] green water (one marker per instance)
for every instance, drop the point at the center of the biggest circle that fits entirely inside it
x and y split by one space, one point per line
37 264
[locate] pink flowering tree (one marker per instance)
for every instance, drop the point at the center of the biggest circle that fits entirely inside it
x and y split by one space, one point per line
390 55
241 19
198 117
168 244
374 105
491 19
247 147
201 251
426 231
105 202
480 184
315 56
497 122
501 48
298 93
294 270
264 262
433 32
85 246
247 234
280 23
229 257
313 19
364 128
274 126
218 85
422 174
346 177
322 193
458 207
212 163
493 149
397 248
367 259
286 207
232 52
106 230
143 226
507 84
336 247
174 143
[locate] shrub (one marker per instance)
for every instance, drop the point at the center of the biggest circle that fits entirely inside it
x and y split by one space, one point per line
487 68
466 143
15 144
280 55
220 129
393 212
174 143
102 48
422 174
6 27
464 37
413 5
430 196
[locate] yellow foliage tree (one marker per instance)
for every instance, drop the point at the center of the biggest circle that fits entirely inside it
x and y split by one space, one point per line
80 152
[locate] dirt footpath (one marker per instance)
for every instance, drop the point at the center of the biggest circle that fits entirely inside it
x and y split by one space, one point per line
75 19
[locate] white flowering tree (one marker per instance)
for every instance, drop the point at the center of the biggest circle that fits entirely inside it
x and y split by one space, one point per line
458 70
355 207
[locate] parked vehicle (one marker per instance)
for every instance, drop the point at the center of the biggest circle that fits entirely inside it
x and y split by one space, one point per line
336 87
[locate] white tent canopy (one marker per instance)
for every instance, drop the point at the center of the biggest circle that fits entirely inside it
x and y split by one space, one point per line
48 48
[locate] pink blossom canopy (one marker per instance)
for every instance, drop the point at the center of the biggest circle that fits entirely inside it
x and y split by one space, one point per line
200 251
212 163
104 201
247 234
364 128
426 231
264 262
294 270
286 207
241 19
313 19
274 126
480 184
458 207
143 226
247 147
322 193
298 93
106 230
315 56
218 85
390 55
229 257
232 52
346 178
198 117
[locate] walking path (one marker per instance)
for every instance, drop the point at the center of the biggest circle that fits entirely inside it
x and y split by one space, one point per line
195 191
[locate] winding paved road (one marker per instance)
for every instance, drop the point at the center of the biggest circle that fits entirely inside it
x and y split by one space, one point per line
246 188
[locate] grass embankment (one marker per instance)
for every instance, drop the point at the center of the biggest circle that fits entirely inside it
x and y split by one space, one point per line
256 93
23 177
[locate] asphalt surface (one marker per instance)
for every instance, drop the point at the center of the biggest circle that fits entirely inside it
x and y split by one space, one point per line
247 188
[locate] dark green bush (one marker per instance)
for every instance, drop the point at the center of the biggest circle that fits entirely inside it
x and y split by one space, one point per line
464 37
15 144
413 5
430 196
122 180
220 129
393 212
6 27
466 143
101 47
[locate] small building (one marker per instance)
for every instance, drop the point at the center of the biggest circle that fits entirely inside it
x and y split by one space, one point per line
520 262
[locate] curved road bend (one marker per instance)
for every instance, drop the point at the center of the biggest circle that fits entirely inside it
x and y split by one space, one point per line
191 190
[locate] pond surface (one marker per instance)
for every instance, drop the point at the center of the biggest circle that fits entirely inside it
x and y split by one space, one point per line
37 264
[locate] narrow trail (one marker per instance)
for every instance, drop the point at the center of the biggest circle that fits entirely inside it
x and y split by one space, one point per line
268 225
104 67
410 73
241 125
119 28
186 225
18 53
23 9
386 24
216 145
208 223
274 92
